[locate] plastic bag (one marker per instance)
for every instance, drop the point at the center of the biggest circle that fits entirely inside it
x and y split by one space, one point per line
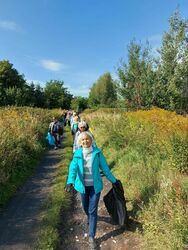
115 204
51 139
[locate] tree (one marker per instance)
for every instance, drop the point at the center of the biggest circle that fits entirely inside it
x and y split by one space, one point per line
56 95
39 96
136 79
79 103
11 83
15 91
9 76
28 95
2 95
172 69
103 92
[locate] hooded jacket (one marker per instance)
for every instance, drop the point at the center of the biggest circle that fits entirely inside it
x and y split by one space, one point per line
76 170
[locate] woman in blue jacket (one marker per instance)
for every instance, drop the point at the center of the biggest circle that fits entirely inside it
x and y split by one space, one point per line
84 175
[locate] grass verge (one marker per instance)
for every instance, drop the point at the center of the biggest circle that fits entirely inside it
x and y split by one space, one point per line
147 151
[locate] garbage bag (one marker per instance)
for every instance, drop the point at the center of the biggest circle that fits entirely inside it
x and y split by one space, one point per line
115 204
51 139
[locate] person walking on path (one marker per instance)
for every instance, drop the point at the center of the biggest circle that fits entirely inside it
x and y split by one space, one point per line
54 130
67 118
82 126
74 126
84 175
74 114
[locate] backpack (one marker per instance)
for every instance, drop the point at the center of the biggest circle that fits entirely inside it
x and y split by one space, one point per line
54 127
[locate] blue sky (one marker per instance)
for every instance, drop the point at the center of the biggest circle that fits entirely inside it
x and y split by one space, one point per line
78 40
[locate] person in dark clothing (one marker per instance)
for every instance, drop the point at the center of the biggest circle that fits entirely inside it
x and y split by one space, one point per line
54 130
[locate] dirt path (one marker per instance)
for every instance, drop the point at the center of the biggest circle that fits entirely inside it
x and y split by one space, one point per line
109 236
19 222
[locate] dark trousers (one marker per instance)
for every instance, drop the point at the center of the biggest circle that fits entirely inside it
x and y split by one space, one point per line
57 139
90 202
67 121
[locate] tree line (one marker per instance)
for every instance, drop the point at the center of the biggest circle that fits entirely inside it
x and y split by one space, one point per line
14 90
148 80
145 80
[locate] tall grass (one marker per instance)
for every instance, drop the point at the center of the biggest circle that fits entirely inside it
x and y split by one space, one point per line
22 142
148 151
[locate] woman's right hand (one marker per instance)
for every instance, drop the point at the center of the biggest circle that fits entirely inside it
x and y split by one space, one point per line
68 187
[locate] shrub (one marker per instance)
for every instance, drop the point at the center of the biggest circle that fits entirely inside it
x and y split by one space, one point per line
21 145
148 151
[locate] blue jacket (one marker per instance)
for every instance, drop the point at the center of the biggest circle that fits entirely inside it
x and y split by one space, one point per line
76 170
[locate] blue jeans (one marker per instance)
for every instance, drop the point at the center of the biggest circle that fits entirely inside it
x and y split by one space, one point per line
90 202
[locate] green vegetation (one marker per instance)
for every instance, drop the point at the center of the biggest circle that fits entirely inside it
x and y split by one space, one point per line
14 90
22 143
79 103
57 201
147 151
103 92
56 95
158 81
149 79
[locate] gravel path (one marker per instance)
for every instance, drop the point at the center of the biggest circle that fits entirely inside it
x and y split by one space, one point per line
19 222
109 236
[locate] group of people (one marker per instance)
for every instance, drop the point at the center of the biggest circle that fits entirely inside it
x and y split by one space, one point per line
85 168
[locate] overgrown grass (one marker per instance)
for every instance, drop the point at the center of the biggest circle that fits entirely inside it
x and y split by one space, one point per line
56 201
148 151
22 143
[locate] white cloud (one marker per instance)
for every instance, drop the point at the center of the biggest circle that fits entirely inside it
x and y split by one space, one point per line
52 65
9 25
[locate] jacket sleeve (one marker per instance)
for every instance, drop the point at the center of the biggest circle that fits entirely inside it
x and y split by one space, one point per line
105 168
72 171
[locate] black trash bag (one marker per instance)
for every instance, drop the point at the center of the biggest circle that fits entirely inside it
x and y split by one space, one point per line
115 204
